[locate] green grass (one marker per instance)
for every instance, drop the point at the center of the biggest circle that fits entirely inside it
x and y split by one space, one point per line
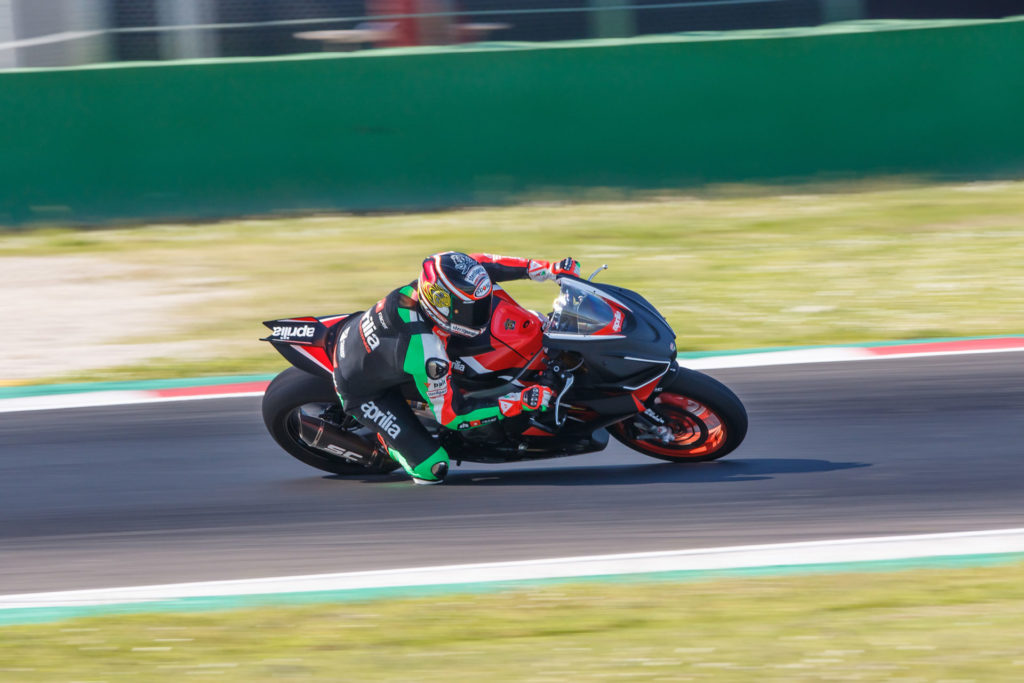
925 625
728 271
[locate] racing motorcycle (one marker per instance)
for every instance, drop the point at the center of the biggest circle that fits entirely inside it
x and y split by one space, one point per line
605 350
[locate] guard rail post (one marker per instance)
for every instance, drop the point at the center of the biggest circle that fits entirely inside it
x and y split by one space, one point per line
611 19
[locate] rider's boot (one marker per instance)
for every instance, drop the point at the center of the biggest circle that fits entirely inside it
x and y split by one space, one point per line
433 470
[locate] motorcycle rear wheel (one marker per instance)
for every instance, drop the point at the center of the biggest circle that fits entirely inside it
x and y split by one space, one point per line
295 390
706 419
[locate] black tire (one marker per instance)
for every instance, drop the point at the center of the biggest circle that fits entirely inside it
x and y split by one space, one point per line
707 419
286 395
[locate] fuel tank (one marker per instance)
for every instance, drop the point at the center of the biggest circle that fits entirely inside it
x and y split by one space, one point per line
515 339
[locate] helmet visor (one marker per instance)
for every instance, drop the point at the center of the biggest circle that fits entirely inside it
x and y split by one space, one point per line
472 315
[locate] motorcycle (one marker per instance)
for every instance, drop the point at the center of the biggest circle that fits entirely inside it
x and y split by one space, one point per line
608 354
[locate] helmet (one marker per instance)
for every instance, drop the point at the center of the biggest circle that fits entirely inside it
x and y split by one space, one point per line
455 292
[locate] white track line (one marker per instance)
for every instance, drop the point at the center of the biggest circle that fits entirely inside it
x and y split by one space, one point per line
768 358
776 555
802 356
97 399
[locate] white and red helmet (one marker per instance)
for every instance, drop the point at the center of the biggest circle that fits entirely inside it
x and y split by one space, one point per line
455 292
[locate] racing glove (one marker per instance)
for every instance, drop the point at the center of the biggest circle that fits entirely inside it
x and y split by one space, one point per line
545 270
534 397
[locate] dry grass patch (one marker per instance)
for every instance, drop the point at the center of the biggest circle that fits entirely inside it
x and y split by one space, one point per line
732 272
928 625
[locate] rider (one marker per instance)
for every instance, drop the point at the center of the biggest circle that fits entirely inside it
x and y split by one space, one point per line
404 337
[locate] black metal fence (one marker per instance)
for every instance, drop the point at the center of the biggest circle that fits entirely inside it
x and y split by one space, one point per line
60 32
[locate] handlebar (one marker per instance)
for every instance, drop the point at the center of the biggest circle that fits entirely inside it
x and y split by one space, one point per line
559 278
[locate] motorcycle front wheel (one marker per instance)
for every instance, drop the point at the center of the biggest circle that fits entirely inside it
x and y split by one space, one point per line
701 420
294 392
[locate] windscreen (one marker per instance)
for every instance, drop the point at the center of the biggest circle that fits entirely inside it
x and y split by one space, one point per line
579 312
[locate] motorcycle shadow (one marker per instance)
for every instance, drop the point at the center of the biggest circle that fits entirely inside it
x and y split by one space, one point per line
652 473
720 471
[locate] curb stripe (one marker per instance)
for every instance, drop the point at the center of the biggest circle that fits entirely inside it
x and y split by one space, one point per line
24 389
34 615
214 391
861 554
959 346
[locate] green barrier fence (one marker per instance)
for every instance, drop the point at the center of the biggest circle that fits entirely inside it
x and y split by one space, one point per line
426 128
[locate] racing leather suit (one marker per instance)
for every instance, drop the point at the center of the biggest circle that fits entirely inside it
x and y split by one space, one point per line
392 344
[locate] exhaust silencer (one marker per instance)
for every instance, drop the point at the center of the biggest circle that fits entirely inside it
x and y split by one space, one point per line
324 436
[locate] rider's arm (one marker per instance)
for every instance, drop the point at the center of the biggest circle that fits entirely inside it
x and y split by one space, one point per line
427 361
502 268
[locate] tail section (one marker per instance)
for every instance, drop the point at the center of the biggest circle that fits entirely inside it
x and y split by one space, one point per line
307 342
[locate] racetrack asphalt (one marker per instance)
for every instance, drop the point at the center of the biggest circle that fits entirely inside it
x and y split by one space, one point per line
193 491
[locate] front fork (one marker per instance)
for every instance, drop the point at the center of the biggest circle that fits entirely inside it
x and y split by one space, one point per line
652 426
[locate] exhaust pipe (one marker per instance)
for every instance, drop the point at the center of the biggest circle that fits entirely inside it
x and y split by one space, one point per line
324 436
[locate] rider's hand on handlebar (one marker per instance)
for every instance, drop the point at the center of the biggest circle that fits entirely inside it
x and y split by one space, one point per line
534 397
545 270
567 266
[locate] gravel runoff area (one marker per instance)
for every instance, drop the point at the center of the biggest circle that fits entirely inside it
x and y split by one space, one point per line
77 313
